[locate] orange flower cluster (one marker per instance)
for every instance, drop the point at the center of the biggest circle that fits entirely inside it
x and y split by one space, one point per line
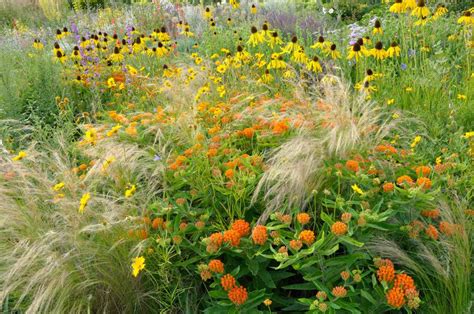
387 149
352 165
432 232
238 295
296 244
242 227
307 237
339 291
395 298
216 266
346 217
227 282
232 237
402 180
433 213
339 228
403 292
423 182
259 234
388 187
423 171
386 273
303 218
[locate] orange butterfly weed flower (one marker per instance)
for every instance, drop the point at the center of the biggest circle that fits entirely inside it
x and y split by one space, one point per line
303 218
446 228
424 182
296 244
216 238
227 282
352 165
432 232
433 213
248 132
307 237
229 173
346 217
259 234
345 275
388 187
216 266
158 223
339 291
321 295
242 227
339 228
386 273
423 171
379 262
405 179
238 295
232 237
395 297
404 282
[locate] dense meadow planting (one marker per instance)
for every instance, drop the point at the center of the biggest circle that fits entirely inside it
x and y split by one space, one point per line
276 156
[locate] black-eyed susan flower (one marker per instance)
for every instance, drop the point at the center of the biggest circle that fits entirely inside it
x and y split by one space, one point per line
60 56
234 3
421 10
299 56
207 13
161 50
440 11
163 35
466 18
377 27
393 50
253 9
422 21
313 65
187 31
371 75
292 46
333 52
37 44
75 54
409 4
265 30
255 37
276 62
321 43
366 87
398 7
266 77
378 52
355 52
274 40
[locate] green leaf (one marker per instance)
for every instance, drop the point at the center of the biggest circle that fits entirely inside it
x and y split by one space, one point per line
300 286
253 266
367 296
351 241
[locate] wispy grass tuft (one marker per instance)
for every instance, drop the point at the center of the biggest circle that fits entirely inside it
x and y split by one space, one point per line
343 122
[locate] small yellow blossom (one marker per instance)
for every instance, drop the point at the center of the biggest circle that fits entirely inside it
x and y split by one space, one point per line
357 189
130 191
20 156
58 186
83 203
416 141
138 265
